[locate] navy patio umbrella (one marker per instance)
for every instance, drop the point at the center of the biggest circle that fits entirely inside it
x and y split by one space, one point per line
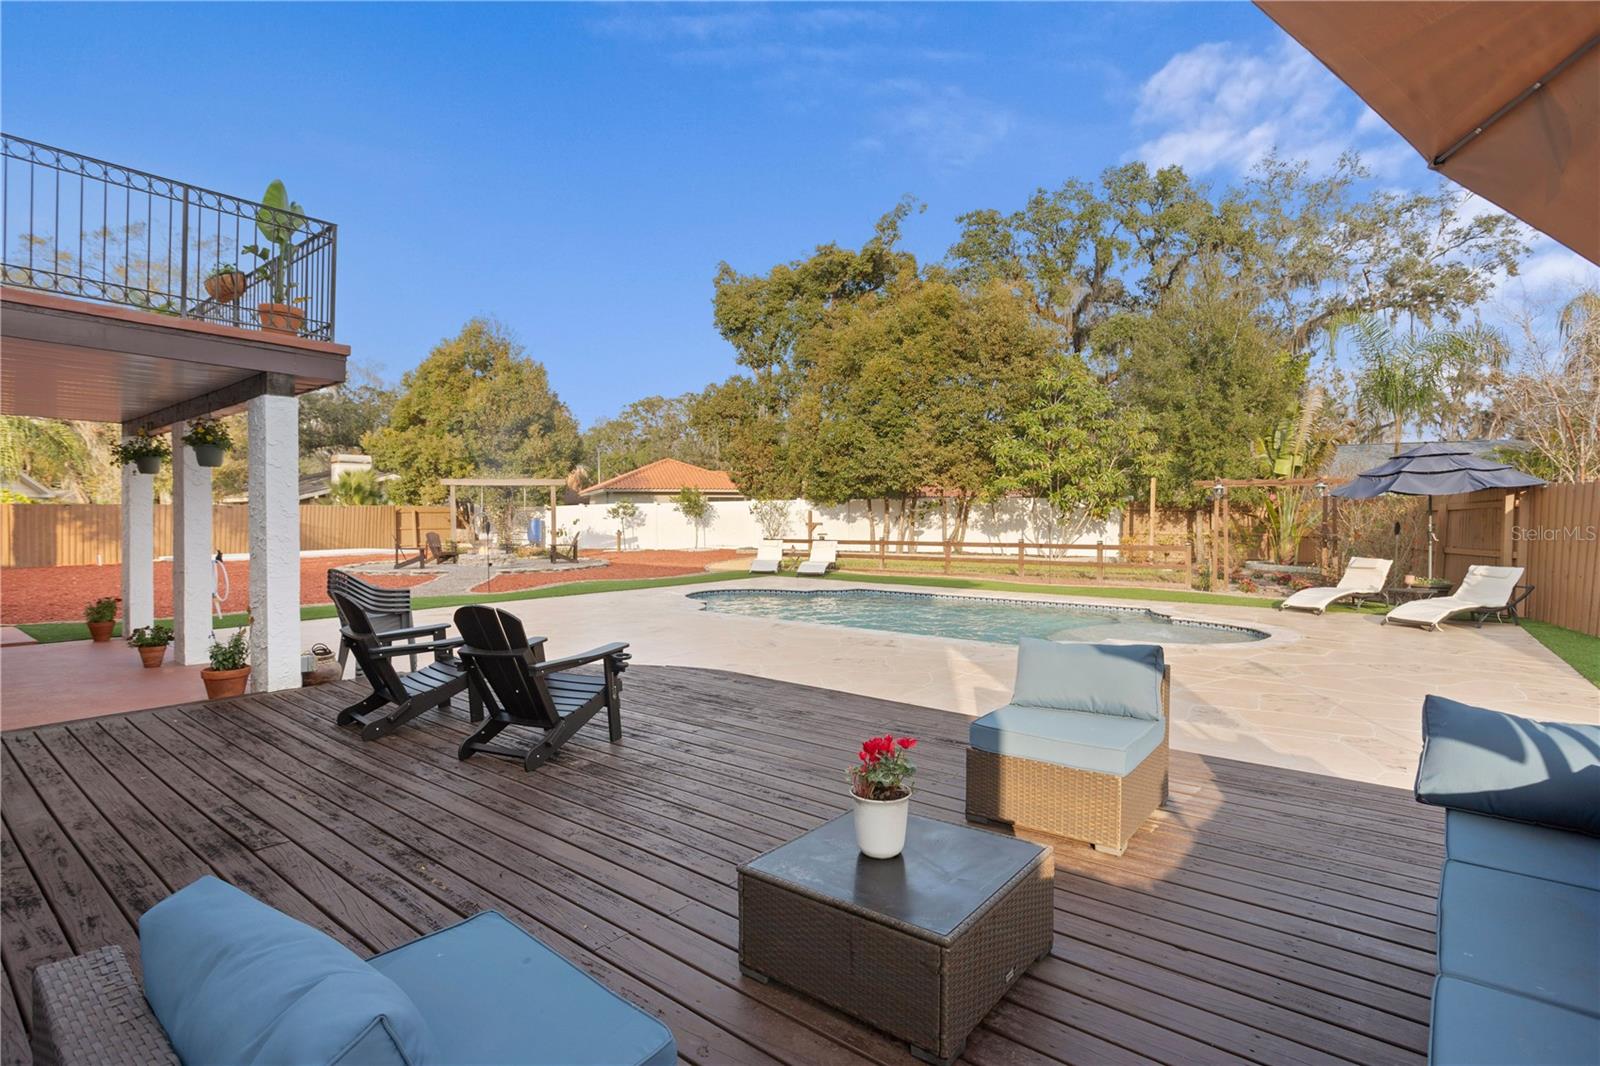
1435 470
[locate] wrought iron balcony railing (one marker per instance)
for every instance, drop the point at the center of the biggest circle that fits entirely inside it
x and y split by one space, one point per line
86 228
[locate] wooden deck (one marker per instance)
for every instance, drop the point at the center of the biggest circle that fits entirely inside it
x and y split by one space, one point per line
1265 916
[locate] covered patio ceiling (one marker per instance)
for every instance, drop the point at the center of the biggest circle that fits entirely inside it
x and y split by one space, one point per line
1503 98
73 359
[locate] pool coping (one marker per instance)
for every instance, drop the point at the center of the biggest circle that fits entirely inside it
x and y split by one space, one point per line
1271 635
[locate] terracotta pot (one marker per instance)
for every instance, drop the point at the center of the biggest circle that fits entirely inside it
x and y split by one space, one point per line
209 454
226 288
281 318
152 655
100 632
881 826
222 683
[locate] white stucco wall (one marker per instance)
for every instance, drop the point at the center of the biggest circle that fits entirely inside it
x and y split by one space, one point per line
274 483
138 549
191 551
731 525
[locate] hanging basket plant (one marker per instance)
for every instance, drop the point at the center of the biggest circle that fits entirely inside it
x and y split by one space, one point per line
226 283
144 450
210 440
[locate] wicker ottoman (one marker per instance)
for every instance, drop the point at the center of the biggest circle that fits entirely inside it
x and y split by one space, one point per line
1101 809
921 946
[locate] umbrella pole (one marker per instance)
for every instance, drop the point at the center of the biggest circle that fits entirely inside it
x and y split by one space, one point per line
1430 540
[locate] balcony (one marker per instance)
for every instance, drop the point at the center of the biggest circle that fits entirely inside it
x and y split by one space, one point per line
84 228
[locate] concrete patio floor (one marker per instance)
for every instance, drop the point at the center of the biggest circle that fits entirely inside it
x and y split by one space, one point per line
1338 694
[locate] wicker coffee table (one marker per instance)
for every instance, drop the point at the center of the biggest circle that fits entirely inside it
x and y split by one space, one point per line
921 946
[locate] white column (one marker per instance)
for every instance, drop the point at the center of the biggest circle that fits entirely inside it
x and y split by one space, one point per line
138 549
274 465
191 553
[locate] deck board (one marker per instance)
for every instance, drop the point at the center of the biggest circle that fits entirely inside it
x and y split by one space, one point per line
1264 916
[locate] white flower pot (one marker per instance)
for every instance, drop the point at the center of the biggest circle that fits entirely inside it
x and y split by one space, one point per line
881 826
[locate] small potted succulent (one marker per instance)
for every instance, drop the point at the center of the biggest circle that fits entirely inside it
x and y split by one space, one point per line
879 784
229 671
152 641
102 618
226 283
210 440
144 450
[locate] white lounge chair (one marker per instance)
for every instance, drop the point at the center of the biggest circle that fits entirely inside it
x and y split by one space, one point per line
1485 589
1362 577
824 553
769 554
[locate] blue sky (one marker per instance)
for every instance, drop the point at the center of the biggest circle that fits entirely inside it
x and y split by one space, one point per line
578 171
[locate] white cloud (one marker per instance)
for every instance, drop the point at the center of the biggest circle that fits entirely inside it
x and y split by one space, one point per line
944 124
1553 266
1221 107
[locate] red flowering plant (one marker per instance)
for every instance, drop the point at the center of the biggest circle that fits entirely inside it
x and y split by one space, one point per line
884 768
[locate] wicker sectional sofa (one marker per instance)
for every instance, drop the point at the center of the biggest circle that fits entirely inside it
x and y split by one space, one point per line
1081 752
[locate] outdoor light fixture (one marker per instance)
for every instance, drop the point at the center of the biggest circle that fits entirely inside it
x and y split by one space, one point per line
1217 491
1322 488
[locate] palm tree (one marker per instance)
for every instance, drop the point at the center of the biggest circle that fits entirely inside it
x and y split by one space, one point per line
356 487
1401 376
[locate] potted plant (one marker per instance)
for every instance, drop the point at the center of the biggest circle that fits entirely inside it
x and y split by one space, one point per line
144 450
230 666
882 794
152 641
210 440
102 618
277 219
226 283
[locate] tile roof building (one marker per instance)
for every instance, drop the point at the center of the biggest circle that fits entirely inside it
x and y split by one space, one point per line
661 480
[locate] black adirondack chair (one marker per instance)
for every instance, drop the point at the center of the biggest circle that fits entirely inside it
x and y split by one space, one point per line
509 675
397 698
388 612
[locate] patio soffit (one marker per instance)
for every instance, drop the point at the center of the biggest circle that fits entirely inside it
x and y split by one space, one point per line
67 358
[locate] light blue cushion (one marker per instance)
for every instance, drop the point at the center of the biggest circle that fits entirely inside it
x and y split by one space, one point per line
1475 1025
1104 743
1524 934
1120 679
493 994
1545 773
1553 854
234 981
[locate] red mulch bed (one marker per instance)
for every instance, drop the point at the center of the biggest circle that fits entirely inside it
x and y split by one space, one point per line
623 566
59 593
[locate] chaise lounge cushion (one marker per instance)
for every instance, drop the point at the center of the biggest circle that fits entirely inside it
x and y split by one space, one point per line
1523 934
1533 850
234 981
493 994
1483 1026
1545 773
1084 740
1107 679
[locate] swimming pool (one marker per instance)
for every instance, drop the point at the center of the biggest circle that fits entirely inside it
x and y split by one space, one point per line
998 621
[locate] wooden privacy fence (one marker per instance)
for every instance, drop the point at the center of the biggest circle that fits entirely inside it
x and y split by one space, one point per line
89 534
1553 533
1099 560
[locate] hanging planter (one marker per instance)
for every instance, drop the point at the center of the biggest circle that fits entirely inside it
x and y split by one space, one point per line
226 283
145 451
210 441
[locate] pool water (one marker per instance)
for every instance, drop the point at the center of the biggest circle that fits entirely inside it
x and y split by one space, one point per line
998 621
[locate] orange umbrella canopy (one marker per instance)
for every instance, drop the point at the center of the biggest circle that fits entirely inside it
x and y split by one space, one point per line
1504 98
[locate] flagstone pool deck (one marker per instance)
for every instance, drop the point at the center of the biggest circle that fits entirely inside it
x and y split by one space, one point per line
1335 694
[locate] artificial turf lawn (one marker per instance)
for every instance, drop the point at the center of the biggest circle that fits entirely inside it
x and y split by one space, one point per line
1578 650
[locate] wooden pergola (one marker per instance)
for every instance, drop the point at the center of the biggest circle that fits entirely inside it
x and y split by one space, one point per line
1221 515
551 483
